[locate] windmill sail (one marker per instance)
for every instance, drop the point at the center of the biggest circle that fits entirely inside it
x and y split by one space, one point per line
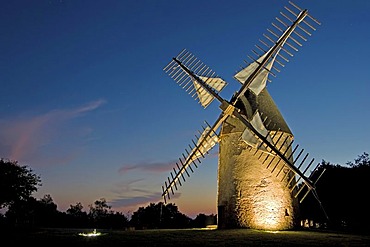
195 77
259 83
286 36
206 98
205 142
251 139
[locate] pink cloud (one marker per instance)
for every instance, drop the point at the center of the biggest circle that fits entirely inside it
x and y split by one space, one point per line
23 136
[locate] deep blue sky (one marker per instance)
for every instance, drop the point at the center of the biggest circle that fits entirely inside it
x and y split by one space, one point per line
85 102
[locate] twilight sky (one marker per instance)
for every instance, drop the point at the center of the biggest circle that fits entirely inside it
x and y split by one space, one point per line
85 102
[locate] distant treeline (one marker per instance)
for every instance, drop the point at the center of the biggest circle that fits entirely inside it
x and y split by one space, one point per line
341 190
43 213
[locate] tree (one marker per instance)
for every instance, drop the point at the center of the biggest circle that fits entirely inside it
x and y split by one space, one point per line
17 182
46 212
103 217
159 216
100 214
343 193
75 210
202 220
34 213
76 217
361 161
22 213
115 220
100 209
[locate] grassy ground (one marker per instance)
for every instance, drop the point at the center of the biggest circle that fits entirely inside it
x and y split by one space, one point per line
189 237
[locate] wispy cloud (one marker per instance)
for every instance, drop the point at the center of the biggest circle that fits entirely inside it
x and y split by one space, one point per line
131 194
137 201
23 136
155 166
148 166
125 187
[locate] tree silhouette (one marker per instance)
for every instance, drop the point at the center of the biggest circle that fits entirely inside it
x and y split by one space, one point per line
103 217
17 182
343 193
361 161
159 216
21 213
76 217
34 213
75 210
202 220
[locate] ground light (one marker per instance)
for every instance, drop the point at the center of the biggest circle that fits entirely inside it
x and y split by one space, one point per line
94 233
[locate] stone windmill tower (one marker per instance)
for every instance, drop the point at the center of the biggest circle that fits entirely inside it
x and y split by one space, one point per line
262 174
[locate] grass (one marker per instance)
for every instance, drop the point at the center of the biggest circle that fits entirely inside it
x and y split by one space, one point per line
188 237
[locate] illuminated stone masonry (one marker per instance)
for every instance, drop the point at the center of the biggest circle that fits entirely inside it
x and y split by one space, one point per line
249 196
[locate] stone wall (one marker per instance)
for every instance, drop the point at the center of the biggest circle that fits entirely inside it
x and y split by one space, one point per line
252 194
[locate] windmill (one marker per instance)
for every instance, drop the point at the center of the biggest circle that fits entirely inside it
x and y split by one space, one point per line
262 174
